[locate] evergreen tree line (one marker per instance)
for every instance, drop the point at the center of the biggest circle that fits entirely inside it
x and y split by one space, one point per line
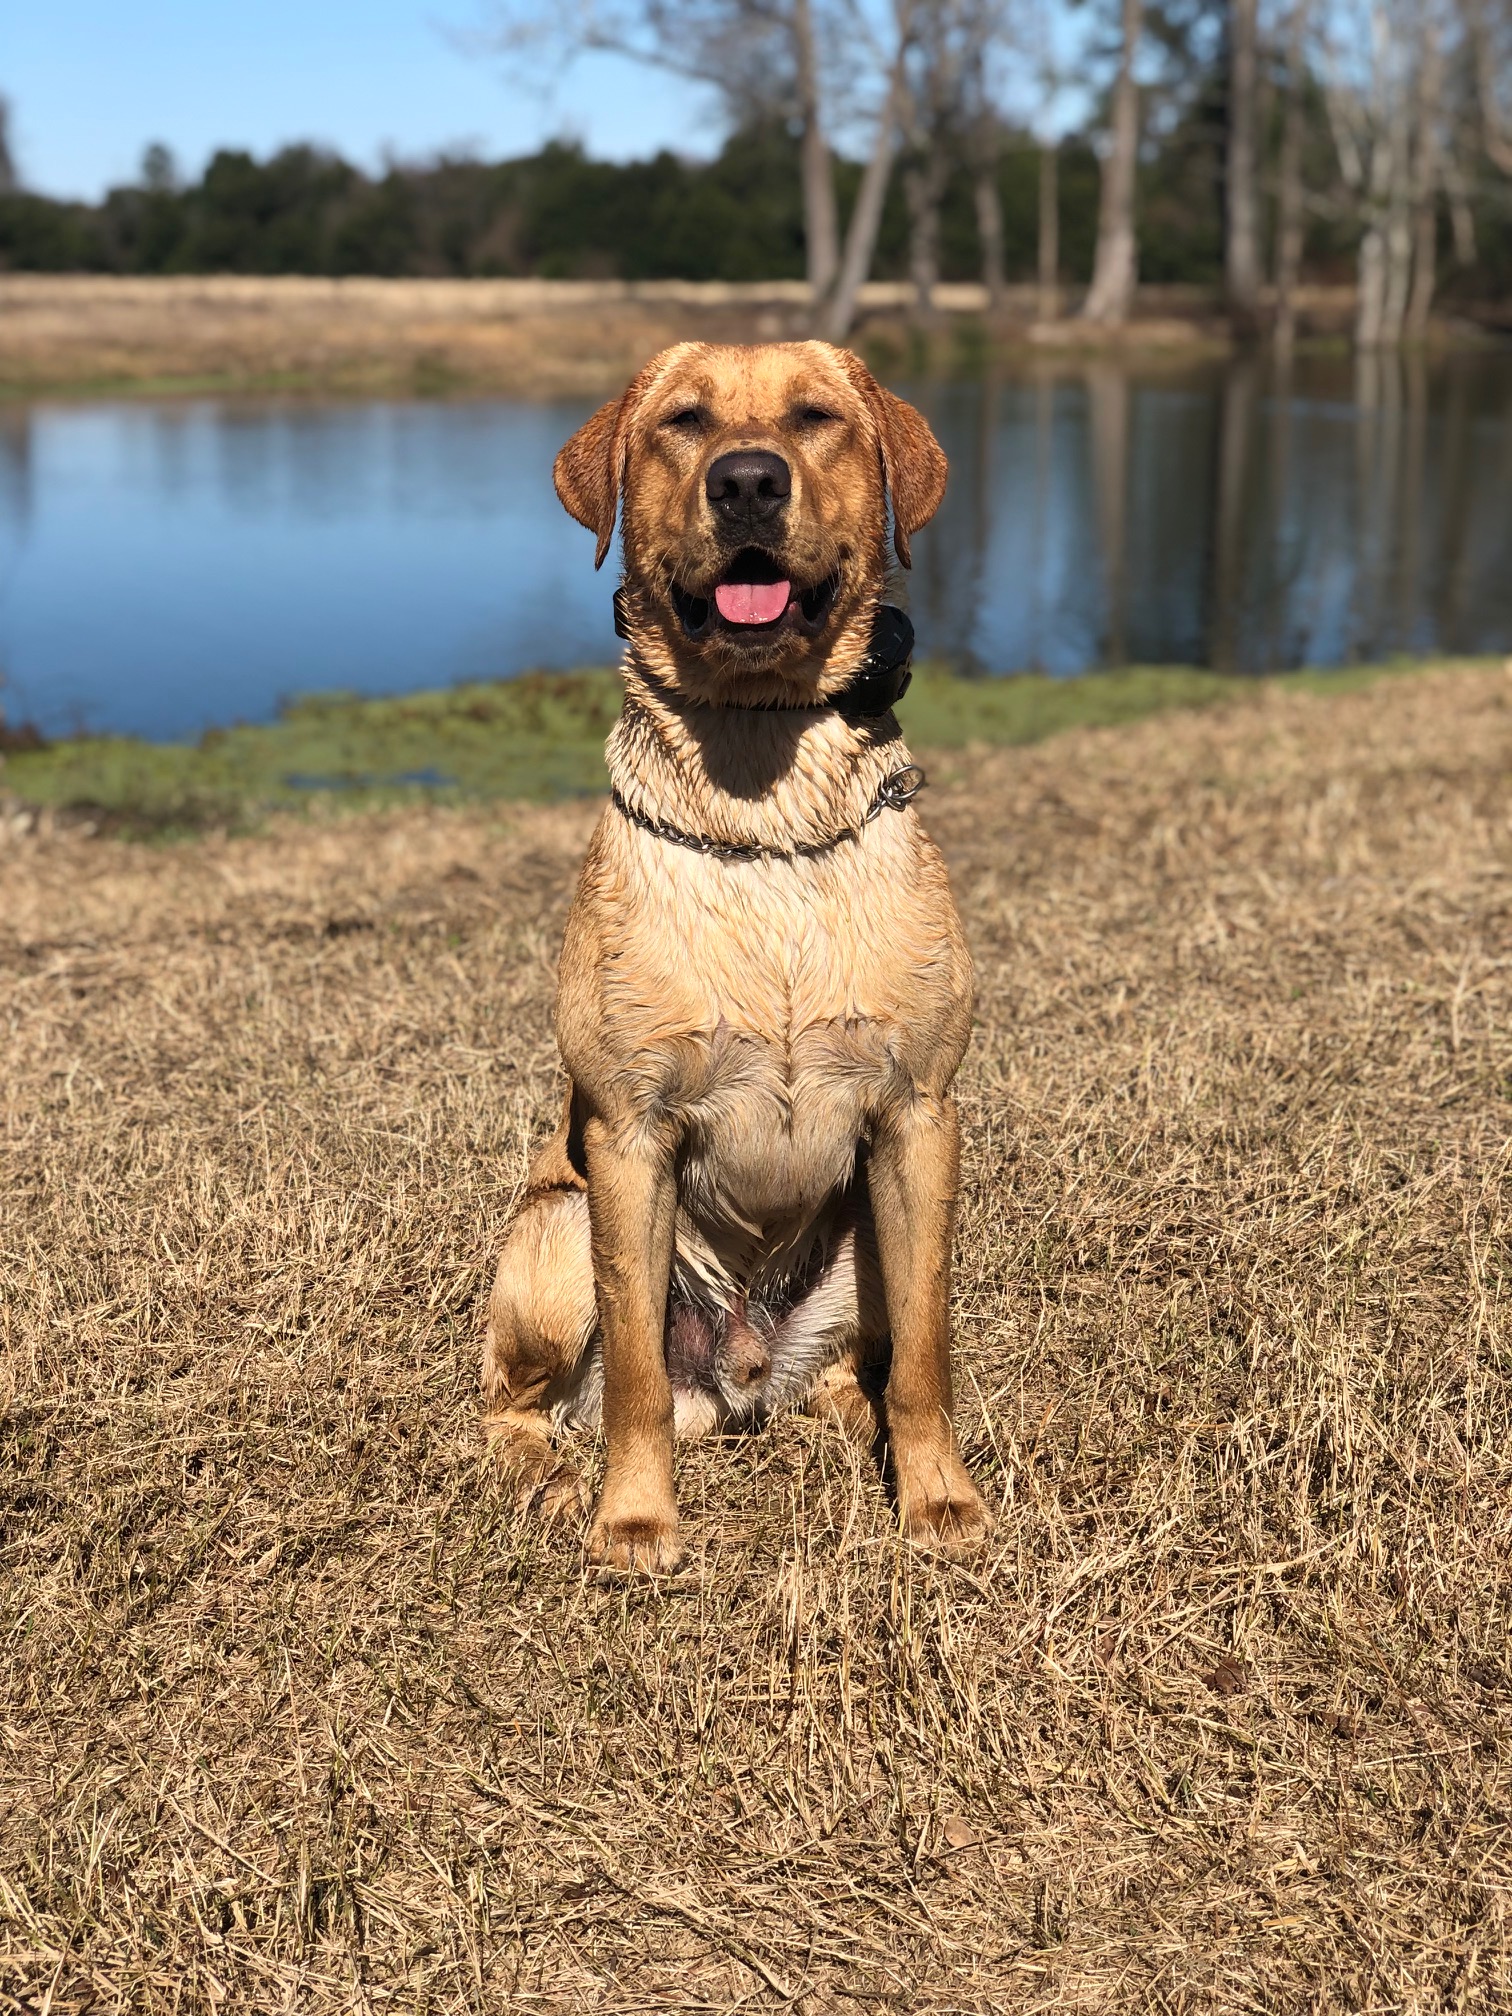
559 214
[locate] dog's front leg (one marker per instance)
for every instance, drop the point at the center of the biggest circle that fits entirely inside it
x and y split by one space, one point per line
913 1172
632 1209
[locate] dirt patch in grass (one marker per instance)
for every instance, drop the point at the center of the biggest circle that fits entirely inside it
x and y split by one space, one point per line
300 1712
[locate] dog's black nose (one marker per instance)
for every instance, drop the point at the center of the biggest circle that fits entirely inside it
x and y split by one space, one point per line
748 484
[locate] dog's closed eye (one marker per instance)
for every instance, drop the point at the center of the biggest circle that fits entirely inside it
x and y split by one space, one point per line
687 420
814 416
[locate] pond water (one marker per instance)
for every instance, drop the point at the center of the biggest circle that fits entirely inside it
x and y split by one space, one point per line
169 567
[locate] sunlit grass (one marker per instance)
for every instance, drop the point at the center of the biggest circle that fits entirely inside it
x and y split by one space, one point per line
302 1712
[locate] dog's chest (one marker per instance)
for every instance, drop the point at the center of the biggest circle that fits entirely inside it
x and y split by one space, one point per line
767 1011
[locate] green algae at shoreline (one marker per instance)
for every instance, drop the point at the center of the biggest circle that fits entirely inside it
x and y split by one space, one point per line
540 737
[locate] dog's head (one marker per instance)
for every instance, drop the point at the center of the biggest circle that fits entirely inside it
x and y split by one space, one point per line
753 489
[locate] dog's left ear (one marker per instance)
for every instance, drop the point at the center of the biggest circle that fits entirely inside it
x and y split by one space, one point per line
913 462
587 474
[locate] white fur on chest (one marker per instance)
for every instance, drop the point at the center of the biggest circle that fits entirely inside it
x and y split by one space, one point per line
771 1126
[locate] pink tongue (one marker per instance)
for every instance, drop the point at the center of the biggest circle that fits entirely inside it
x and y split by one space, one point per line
752 601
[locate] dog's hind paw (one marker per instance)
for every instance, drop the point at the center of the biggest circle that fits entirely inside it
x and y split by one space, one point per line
543 1478
562 1494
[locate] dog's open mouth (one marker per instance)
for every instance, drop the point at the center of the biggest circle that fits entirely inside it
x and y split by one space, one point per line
754 597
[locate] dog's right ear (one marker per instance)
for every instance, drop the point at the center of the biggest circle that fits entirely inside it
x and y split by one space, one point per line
590 471
587 473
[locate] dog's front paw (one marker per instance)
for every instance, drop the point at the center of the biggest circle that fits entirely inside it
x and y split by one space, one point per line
939 1507
646 1543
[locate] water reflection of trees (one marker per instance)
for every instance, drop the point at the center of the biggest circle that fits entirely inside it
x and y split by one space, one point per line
16 472
17 501
1245 515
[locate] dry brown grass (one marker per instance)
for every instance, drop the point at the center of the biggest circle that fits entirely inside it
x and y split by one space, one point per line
539 338
301 1714
361 336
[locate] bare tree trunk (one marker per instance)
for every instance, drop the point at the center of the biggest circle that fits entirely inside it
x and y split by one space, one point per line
1427 176
924 188
985 138
866 218
1370 302
1461 217
1049 231
1290 224
1398 272
1398 227
821 224
1242 248
1372 134
1111 294
1424 271
1495 137
1375 197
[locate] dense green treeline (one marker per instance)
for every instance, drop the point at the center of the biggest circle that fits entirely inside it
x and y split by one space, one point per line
560 215
557 214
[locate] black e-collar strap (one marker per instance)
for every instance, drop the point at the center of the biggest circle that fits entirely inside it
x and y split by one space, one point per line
876 685
882 677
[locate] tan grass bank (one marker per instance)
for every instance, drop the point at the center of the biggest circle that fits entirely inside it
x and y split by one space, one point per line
298 1713
536 338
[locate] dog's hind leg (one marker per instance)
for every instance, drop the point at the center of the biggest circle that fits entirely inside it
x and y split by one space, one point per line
541 1320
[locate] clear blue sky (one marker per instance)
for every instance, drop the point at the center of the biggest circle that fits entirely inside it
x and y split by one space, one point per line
91 82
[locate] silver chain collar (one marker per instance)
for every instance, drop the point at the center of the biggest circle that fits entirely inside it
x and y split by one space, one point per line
893 794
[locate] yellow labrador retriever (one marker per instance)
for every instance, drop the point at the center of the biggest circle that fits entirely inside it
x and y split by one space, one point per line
764 990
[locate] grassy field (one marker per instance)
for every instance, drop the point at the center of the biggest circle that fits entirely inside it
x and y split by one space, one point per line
538 738
300 1712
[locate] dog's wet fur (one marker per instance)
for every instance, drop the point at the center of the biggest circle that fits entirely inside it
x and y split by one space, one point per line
749 1201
